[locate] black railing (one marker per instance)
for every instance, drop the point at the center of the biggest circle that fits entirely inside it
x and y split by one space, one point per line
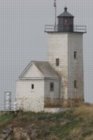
76 28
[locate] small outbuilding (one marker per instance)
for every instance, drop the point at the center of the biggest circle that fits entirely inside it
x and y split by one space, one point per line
37 87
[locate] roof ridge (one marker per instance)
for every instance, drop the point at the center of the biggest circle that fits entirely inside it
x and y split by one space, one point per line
44 67
65 13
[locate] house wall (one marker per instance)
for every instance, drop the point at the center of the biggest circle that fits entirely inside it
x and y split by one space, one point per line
33 72
30 99
75 66
58 48
52 97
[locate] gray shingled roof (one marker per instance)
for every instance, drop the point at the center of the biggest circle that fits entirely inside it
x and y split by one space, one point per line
44 67
65 13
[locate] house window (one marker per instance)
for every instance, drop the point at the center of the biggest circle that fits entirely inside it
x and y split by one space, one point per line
75 84
57 61
51 86
32 86
75 54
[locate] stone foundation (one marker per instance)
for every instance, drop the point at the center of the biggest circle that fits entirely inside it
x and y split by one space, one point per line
63 103
52 102
72 102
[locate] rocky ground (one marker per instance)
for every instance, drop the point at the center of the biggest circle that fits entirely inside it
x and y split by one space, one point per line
75 124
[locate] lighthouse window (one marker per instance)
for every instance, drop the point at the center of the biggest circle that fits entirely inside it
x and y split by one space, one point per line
75 84
51 86
57 61
75 54
32 86
66 21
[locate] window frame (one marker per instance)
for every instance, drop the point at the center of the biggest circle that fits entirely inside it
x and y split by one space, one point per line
75 84
75 55
51 86
57 62
32 86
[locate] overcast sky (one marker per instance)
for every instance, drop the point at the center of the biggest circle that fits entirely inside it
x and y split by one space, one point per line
22 37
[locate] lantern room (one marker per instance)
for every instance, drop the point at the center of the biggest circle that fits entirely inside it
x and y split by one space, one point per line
65 21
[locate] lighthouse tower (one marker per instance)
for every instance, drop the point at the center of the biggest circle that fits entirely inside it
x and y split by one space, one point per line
65 54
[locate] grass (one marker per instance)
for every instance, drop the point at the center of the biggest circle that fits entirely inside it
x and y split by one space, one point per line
5 119
74 124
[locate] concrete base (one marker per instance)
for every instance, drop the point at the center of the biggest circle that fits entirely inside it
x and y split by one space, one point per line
55 110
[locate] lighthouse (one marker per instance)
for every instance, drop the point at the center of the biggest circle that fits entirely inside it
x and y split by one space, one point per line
58 82
65 55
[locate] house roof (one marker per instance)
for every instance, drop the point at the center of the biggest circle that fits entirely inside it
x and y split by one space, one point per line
65 13
44 67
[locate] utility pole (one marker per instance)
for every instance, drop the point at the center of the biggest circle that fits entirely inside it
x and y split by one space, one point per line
55 6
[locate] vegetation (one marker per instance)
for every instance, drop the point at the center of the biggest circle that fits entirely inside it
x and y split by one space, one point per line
74 124
5 119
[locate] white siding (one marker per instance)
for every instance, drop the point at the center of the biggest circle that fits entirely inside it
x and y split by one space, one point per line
75 43
52 94
33 72
62 46
58 48
30 99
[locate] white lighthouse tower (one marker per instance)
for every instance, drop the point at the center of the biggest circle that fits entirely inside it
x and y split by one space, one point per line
65 54
57 82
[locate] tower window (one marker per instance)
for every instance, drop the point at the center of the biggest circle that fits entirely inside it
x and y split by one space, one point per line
75 54
51 86
75 84
57 61
32 86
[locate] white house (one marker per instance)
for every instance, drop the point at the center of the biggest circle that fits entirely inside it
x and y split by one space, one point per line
37 87
59 81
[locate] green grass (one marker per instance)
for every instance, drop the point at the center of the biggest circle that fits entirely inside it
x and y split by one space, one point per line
59 124
75 124
5 119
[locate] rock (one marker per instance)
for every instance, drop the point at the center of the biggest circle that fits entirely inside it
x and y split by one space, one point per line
32 132
6 133
52 137
20 133
29 133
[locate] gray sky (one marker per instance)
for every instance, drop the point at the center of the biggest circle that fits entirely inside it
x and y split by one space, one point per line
22 37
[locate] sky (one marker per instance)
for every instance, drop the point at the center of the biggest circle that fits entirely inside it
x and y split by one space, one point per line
22 38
